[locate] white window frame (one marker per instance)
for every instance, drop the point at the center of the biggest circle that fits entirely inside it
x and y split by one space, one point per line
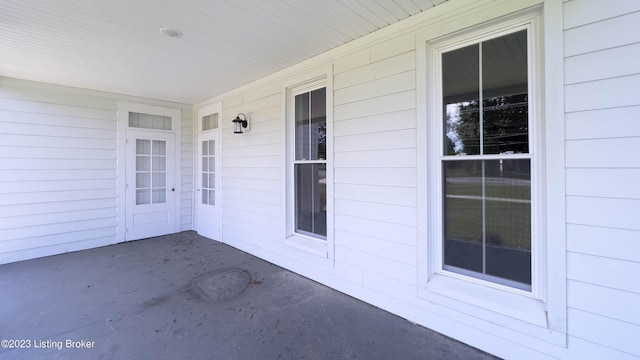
322 78
543 309
435 52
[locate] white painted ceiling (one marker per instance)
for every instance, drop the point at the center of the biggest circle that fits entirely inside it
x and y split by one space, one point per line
115 45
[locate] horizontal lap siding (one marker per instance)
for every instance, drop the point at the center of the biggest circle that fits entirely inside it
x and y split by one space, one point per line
58 168
602 46
58 182
374 133
187 154
375 167
252 169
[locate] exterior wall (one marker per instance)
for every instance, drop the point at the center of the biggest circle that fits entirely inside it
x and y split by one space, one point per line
376 182
602 78
58 168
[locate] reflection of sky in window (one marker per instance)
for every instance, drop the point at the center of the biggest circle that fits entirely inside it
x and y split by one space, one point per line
453 118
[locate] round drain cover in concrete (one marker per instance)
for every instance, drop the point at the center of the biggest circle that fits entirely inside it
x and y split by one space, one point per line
222 284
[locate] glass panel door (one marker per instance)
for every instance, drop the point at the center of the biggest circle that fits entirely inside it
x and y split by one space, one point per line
150 186
208 176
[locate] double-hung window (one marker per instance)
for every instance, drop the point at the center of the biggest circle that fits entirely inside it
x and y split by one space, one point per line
486 160
484 163
308 156
493 238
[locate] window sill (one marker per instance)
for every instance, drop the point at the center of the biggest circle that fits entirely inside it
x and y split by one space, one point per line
450 292
308 244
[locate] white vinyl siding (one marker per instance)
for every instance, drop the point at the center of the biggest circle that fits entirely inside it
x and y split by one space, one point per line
58 169
252 169
375 152
602 75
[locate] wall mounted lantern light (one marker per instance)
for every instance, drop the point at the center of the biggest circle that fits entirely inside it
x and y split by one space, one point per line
239 123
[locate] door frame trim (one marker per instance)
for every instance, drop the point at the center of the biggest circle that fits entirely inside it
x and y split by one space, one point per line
211 108
124 108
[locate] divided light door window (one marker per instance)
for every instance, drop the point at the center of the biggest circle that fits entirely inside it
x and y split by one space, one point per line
151 171
486 160
209 172
310 164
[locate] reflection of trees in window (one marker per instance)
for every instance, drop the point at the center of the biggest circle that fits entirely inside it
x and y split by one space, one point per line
320 134
504 121
462 134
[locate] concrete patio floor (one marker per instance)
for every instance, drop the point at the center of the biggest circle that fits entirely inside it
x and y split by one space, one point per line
184 296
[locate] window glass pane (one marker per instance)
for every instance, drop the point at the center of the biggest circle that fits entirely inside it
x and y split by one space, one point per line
212 180
159 179
143 147
311 125
205 148
159 196
460 92
302 131
205 180
463 214
318 127
212 147
159 163
210 122
212 163
205 163
206 123
133 120
143 163
508 219
143 196
148 121
159 147
212 197
143 180
487 224
505 94
205 196
311 199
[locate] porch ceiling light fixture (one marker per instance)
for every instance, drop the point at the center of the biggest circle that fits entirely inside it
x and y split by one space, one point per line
170 32
240 123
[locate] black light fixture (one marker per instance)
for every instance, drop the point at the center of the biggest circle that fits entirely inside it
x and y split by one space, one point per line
239 123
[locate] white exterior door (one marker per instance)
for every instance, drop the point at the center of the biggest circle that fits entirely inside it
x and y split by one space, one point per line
150 184
208 183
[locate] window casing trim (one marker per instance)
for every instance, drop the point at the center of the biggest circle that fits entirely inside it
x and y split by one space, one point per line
507 307
322 78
